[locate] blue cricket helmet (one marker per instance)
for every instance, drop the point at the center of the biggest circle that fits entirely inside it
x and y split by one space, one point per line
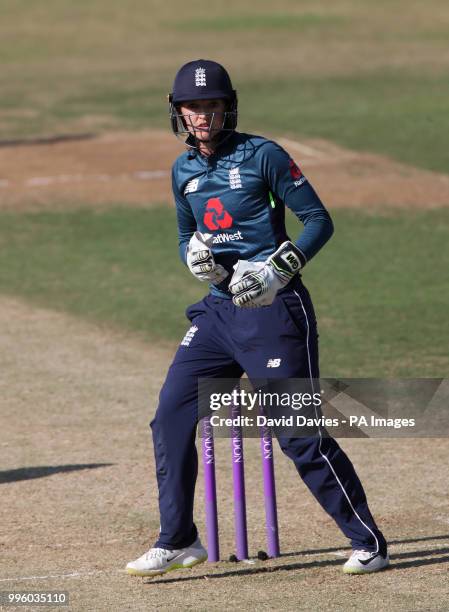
202 80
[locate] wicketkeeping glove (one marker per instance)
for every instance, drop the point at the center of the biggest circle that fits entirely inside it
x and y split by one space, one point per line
252 288
200 260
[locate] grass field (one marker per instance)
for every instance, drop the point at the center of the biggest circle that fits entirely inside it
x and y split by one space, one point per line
120 267
372 76
79 497
92 297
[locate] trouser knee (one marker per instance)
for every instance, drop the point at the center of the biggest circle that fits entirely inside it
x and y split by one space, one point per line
170 403
304 448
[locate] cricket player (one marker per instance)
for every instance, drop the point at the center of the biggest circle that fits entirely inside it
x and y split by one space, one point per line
231 190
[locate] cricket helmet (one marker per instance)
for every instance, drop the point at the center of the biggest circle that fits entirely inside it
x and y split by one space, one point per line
202 80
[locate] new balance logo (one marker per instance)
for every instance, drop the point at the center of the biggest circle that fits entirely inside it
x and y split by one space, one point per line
274 363
192 186
189 336
235 181
200 77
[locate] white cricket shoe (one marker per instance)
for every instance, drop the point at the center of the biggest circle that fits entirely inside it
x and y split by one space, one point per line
365 561
160 560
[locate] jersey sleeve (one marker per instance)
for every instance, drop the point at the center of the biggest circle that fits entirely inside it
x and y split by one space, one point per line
186 220
286 181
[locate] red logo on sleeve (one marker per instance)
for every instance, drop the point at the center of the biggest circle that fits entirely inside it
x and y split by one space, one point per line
294 170
216 217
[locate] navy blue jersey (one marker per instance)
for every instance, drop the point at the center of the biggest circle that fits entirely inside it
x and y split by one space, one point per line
239 195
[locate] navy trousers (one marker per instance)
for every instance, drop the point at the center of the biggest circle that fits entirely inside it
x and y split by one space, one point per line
223 342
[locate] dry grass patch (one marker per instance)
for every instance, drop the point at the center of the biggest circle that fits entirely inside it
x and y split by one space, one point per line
134 169
74 394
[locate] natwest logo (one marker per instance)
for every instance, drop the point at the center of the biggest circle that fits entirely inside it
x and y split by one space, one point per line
222 238
216 217
295 171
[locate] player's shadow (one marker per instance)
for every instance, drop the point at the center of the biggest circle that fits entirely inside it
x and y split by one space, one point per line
399 561
29 473
319 551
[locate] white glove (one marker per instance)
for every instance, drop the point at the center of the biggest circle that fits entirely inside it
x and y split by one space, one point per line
200 260
256 284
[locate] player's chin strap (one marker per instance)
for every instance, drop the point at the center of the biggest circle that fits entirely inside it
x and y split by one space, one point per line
256 284
192 143
182 133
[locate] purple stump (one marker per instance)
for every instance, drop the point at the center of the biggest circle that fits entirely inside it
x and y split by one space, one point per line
210 492
238 474
269 487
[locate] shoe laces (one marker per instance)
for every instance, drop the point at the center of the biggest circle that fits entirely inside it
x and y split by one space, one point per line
360 551
157 553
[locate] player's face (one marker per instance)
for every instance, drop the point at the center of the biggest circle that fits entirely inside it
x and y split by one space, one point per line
203 118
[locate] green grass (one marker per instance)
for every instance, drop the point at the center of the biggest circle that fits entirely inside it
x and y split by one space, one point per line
258 22
380 286
119 267
381 290
400 114
369 75
404 116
